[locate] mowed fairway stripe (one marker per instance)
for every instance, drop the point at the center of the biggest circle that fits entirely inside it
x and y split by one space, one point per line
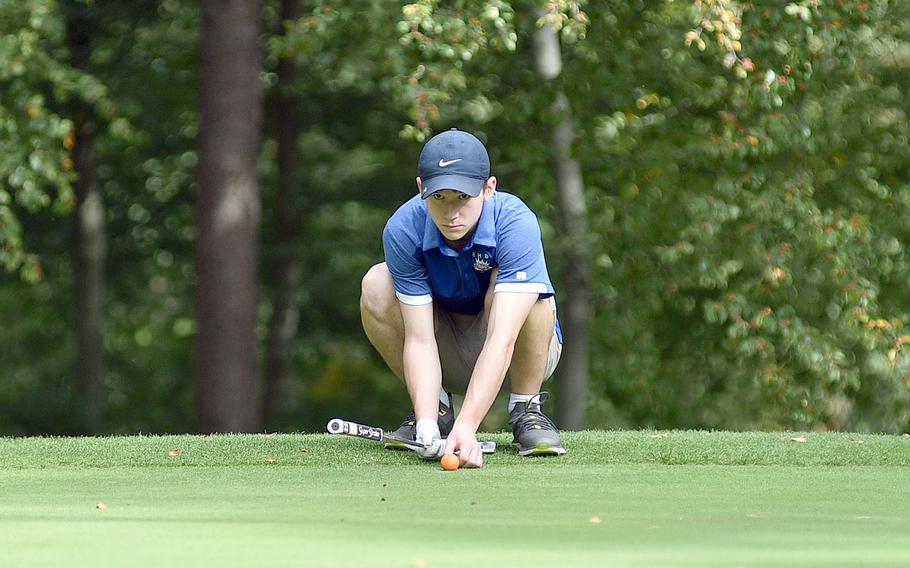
411 514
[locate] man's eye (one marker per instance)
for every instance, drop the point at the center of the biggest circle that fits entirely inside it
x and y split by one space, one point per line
464 197
438 197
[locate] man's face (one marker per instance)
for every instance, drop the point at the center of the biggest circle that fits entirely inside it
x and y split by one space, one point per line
456 214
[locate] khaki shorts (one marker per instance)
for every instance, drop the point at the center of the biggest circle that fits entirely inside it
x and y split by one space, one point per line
460 338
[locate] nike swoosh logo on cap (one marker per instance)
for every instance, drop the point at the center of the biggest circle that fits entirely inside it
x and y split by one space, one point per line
444 163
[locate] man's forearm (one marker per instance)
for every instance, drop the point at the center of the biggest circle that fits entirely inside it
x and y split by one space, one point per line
486 380
423 376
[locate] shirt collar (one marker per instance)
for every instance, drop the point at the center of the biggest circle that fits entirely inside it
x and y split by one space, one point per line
484 235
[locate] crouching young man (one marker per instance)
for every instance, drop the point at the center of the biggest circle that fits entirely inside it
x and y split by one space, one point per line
462 300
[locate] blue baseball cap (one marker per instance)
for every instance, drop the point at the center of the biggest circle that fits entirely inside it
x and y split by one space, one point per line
456 160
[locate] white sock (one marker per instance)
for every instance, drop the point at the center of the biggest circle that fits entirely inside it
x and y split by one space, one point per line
444 397
516 398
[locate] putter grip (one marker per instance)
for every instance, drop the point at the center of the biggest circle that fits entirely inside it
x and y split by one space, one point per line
339 426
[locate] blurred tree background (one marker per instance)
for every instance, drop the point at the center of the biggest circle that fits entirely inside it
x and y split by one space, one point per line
746 174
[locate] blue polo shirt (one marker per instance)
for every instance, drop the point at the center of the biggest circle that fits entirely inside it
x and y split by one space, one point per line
424 269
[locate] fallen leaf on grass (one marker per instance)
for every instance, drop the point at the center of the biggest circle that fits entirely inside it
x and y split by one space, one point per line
664 435
270 459
801 439
271 435
862 517
381 499
174 453
418 563
101 506
855 441
304 450
907 435
595 520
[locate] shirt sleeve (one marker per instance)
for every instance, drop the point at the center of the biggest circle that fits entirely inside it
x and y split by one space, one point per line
409 275
519 251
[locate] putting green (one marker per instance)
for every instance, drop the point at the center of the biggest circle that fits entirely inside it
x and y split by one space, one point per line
313 500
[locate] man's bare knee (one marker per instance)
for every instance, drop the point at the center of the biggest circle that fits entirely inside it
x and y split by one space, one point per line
377 293
539 326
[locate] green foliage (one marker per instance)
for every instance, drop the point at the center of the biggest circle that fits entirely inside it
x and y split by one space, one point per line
36 359
745 164
746 226
144 157
34 167
146 162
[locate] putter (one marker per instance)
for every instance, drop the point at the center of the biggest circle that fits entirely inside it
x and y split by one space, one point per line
375 433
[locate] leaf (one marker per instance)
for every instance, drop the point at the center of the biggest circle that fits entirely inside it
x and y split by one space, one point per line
663 435
418 563
855 441
270 459
101 506
800 439
595 520
174 453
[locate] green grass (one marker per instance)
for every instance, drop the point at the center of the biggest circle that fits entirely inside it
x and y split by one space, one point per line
661 498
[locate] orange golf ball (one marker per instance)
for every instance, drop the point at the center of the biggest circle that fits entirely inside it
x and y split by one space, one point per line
449 462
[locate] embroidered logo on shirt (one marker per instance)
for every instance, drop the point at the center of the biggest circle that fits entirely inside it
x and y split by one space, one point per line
521 275
482 261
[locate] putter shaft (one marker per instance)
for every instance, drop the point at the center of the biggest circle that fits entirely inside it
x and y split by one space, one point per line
357 430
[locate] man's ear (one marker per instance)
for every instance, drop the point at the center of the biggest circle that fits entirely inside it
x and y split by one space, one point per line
489 187
419 186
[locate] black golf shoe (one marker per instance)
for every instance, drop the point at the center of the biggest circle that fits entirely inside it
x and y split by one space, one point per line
533 434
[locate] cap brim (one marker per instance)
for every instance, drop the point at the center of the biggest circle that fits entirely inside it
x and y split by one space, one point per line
469 186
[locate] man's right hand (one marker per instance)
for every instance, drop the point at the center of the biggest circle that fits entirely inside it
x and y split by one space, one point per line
428 434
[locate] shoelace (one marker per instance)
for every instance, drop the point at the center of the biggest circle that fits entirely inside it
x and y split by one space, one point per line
533 416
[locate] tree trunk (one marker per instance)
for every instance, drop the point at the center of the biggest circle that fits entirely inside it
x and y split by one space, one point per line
575 311
228 214
89 250
286 271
